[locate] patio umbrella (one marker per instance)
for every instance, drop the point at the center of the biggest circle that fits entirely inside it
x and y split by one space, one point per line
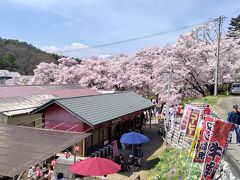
133 138
95 167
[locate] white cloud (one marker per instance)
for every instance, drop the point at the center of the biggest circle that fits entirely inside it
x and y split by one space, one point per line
105 56
74 46
71 47
50 49
75 49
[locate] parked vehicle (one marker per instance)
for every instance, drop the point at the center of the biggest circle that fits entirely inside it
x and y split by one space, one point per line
235 89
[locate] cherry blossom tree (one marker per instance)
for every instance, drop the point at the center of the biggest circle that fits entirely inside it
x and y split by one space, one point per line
191 61
45 73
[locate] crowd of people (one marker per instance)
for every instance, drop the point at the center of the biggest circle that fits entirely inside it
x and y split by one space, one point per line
44 173
133 162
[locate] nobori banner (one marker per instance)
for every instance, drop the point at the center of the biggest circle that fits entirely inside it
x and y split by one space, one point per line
208 124
189 120
193 122
215 148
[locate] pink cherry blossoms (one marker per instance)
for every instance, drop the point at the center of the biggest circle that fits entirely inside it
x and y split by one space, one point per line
191 60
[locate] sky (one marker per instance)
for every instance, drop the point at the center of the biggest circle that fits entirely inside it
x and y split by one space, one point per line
60 25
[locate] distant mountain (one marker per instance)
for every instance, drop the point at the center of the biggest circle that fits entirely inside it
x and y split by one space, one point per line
22 57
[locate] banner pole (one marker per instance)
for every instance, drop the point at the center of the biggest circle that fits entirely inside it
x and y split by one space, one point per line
195 136
195 130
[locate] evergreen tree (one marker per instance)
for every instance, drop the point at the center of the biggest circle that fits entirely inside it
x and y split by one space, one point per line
7 61
234 28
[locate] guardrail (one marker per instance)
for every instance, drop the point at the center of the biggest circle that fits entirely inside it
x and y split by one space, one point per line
176 138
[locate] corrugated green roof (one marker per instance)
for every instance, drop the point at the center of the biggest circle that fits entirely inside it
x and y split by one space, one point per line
97 109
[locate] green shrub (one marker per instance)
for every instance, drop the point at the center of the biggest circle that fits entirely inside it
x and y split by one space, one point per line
173 165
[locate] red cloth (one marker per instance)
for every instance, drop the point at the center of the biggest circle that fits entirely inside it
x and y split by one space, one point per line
179 110
207 111
216 147
95 167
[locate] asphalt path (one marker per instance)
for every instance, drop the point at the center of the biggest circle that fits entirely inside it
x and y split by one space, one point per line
226 104
232 154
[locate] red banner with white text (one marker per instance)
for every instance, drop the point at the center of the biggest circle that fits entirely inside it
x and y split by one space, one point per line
207 128
216 147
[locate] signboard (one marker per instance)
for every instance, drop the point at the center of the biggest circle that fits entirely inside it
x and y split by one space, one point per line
189 120
193 122
216 148
185 119
203 140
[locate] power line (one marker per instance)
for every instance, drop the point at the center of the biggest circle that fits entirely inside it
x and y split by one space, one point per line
135 39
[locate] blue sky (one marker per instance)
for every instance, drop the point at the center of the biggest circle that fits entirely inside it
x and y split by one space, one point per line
56 25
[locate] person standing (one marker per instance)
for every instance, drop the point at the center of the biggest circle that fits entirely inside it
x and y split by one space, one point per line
51 173
233 117
31 172
206 111
179 111
138 155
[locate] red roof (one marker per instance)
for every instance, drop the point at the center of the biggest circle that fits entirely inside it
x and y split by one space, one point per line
59 90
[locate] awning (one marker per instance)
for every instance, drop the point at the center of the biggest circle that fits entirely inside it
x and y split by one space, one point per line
21 147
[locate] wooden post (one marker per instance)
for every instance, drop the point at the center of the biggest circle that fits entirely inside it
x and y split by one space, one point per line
83 147
74 158
150 116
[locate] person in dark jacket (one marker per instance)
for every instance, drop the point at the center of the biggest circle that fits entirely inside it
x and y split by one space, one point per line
233 117
138 155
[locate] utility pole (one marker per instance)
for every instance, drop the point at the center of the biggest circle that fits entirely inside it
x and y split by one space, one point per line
219 23
168 100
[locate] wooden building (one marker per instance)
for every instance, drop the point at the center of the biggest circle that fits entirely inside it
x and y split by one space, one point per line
16 102
106 116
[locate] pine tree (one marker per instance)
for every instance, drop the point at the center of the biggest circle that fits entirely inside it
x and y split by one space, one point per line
234 28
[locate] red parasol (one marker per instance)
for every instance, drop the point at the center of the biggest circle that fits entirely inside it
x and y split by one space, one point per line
95 167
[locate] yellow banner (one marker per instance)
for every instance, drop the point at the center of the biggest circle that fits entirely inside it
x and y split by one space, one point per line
194 143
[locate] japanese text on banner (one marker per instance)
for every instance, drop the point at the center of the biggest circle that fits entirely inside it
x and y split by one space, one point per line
207 128
193 122
216 147
185 119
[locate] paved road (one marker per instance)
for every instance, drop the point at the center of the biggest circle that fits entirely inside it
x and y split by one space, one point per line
232 154
227 103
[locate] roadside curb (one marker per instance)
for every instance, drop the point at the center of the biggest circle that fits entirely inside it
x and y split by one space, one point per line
233 162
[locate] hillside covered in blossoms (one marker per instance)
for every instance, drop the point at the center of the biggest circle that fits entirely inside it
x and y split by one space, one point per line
191 61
